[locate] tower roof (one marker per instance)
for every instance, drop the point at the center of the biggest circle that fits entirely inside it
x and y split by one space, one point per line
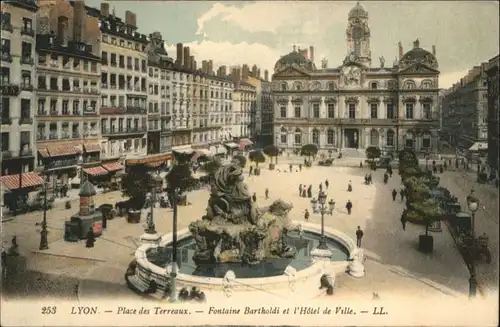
358 11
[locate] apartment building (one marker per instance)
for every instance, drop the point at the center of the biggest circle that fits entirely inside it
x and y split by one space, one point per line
18 74
124 88
261 118
244 106
493 83
465 110
67 99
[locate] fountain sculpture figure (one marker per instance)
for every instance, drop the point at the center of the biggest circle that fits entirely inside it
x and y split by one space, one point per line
234 229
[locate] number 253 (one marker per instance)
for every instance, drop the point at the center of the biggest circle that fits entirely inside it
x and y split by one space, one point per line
49 310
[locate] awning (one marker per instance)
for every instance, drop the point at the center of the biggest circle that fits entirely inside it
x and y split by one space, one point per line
155 164
183 149
44 152
28 180
65 150
201 152
231 145
96 171
218 149
479 146
92 147
112 166
244 143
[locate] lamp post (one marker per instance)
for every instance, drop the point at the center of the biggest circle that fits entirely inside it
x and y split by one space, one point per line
473 204
150 227
319 206
86 132
173 272
44 242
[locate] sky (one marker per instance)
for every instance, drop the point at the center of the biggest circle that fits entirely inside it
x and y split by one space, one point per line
465 33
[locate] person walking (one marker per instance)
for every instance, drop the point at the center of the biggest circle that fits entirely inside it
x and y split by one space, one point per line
402 194
254 197
250 170
300 167
290 167
320 187
306 215
403 221
89 243
359 236
348 206
394 194
267 193
349 187
300 190
326 184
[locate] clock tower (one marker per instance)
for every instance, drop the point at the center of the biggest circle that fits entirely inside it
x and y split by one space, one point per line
358 35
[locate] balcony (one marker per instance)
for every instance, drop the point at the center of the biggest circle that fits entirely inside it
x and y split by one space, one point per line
65 136
135 110
123 131
6 121
166 131
129 66
165 149
104 86
27 87
26 153
6 154
53 112
26 121
10 90
27 31
6 56
41 137
75 135
27 60
53 136
113 64
7 27
62 163
111 110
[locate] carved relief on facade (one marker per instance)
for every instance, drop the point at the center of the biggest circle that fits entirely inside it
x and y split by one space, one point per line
297 100
315 86
409 98
282 100
352 99
315 99
330 99
390 100
426 99
373 100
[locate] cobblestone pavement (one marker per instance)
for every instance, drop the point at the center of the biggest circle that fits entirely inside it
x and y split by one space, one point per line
392 250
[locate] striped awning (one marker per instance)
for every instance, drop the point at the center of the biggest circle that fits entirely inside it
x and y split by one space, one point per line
201 152
244 143
96 171
44 152
28 180
112 166
92 147
65 150
155 164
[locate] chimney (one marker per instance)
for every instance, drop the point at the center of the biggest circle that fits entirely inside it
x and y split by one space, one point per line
128 17
195 66
191 63
62 30
254 71
79 21
133 20
204 66
105 9
186 58
434 50
244 72
304 53
416 44
210 67
400 49
266 75
236 74
223 72
311 53
179 60
258 73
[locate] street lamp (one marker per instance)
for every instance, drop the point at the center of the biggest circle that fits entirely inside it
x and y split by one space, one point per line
150 227
473 204
319 206
173 272
81 159
44 242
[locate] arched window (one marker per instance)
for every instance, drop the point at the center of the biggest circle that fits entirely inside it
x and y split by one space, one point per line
409 85
426 84
330 137
283 135
374 137
316 86
297 86
298 136
315 136
390 138
331 86
373 85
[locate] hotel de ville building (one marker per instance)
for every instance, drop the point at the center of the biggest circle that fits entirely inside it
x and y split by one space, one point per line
359 103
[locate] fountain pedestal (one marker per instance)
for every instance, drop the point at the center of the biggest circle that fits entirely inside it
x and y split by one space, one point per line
356 268
321 254
148 238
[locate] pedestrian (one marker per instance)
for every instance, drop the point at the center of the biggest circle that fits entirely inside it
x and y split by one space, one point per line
267 193
349 187
304 194
434 169
254 197
394 194
402 193
386 178
306 215
300 167
348 206
250 171
290 167
4 263
90 238
300 190
309 191
403 221
326 184
305 161
441 170
361 164
320 187
359 236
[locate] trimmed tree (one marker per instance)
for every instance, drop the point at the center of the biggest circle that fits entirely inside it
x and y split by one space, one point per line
257 157
372 153
180 176
272 151
136 183
240 160
309 150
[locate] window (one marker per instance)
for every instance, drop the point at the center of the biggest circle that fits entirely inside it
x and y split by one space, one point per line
297 111
331 86
374 138
331 110
315 136
352 110
426 84
113 59
283 85
5 75
427 111
26 50
426 141
330 137
373 85
26 78
316 110
374 110
409 110
25 108
6 24
390 110
122 61
5 141
298 136
104 58
390 138
409 141
283 111
283 136
6 46
53 83
409 85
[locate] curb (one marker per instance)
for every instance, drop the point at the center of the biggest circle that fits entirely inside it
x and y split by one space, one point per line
67 256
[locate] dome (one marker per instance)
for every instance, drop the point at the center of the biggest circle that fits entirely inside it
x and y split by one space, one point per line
418 55
358 12
294 58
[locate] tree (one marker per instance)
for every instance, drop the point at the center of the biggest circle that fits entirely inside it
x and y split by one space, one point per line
203 158
180 177
272 151
309 150
427 212
135 184
257 157
212 166
240 160
372 152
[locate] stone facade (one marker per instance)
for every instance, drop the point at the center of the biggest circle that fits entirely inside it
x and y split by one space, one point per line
357 105
493 110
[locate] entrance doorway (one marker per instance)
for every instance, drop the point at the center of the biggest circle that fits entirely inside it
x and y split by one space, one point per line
351 138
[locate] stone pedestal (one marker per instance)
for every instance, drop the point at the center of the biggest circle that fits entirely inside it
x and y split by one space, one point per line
356 267
147 238
321 254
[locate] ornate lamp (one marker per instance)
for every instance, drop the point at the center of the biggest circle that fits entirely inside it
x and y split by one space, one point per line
331 205
322 198
472 201
473 204
314 204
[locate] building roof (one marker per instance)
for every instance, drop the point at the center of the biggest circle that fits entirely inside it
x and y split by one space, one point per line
294 58
358 11
48 43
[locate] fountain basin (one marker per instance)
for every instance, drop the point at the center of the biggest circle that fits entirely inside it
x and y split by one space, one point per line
304 282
